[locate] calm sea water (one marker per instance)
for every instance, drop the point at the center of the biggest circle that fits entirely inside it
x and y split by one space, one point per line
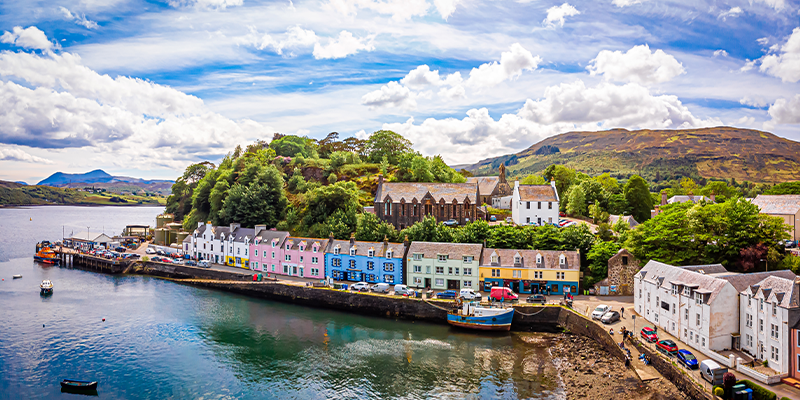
165 340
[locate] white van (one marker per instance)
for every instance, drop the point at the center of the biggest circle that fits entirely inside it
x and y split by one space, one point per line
381 288
712 372
469 294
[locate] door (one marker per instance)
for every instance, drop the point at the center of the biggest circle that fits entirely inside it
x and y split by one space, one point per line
453 284
427 282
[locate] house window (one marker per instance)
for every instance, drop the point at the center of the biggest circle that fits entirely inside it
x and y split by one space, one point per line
467 271
352 263
467 259
748 320
760 325
517 260
314 260
314 249
388 267
301 259
495 272
515 273
761 304
494 259
418 269
352 251
539 205
559 275
389 254
418 281
265 254
528 205
442 257
562 260
467 284
273 267
774 308
387 208
686 315
288 246
388 278
528 219
439 282
449 270
371 253
427 269
698 298
698 319
370 265
538 259
775 351
417 257
315 271
537 274
337 262
549 205
285 269
336 250
624 260
273 255
774 331
274 243
231 251
439 270
456 270
287 257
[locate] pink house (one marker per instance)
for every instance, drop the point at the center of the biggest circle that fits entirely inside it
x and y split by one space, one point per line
302 257
266 249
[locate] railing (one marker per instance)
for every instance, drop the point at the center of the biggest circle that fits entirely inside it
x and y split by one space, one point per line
763 378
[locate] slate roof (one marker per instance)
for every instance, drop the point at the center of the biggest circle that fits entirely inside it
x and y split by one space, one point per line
200 229
362 248
776 289
550 258
664 275
295 242
265 236
742 281
612 219
686 199
409 191
454 251
706 269
486 184
778 204
537 193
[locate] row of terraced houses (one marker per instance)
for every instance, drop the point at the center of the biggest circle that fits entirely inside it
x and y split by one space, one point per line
417 264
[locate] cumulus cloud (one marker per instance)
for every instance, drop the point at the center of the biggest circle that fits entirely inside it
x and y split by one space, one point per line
733 13
422 76
568 106
53 101
392 94
625 3
786 111
785 65
778 5
78 19
755 101
343 46
29 38
206 4
400 10
294 38
512 64
763 41
638 65
446 7
16 154
557 14
720 53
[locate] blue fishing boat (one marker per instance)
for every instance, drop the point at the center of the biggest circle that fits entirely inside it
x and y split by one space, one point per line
472 315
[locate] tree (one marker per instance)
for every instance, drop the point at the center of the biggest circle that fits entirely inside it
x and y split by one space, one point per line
783 188
322 202
577 202
427 230
290 146
262 202
546 237
388 144
509 237
689 187
474 232
637 195
563 176
598 258
371 229
533 180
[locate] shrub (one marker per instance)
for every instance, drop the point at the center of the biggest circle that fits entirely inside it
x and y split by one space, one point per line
765 363
719 391
759 393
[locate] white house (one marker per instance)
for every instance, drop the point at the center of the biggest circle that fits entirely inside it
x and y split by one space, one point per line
534 204
767 311
698 304
228 245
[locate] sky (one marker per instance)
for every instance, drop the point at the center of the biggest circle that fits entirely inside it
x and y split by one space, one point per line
144 88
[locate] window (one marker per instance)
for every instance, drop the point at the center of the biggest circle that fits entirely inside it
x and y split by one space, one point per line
562 260
370 265
674 289
418 269
352 263
288 246
388 267
418 281
528 219
287 257
314 260
417 257
539 205
255 265
231 249
442 257
336 250
467 271
698 298
301 258
427 269
538 259
640 293
494 259
439 282
761 304
273 255
749 341
691 335
549 205
285 269
387 208
774 308
774 354
265 254
456 270
274 242
388 278
516 274
687 291
439 270
496 272
559 275
748 321
315 271
467 259
674 308
388 254
314 249
371 253
467 284
528 206
337 262
698 319
352 251
686 315
273 267
760 325
517 260
774 331
537 274
624 260
648 297
449 270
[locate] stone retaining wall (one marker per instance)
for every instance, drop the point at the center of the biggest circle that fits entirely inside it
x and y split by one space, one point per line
683 382
187 272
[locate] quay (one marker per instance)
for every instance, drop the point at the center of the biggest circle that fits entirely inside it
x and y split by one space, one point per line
72 258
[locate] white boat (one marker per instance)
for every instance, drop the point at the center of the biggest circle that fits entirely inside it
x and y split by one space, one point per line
46 287
17 276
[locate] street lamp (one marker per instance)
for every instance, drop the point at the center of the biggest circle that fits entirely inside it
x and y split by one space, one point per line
766 263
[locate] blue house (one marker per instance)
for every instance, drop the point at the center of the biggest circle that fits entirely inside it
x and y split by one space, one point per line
372 262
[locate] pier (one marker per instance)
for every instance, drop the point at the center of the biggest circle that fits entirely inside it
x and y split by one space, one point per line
72 258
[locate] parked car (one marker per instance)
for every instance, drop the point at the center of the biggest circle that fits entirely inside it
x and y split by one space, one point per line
120 249
403 290
601 310
501 293
360 287
509 220
381 288
203 264
667 347
447 294
161 252
536 299
648 334
609 317
686 358
150 250
469 294
712 372
191 263
562 214
493 218
450 222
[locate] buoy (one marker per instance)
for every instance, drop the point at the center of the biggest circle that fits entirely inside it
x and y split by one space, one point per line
42 325
104 320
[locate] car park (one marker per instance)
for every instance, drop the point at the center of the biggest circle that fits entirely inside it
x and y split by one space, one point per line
381 288
686 358
648 334
601 310
403 290
469 294
150 250
501 293
536 299
667 347
447 294
360 287
609 317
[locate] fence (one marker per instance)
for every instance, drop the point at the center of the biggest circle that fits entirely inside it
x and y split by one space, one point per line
763 378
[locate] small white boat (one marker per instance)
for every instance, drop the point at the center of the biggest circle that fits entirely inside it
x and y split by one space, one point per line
17 276
46 287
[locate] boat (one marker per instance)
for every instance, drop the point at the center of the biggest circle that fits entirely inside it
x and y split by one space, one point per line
78 384
45 254
17 276
472 315
46 287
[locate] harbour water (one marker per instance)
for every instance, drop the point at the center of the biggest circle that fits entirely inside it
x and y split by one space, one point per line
165 340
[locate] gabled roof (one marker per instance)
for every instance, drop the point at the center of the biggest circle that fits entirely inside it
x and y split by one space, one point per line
241 233
537 193
486 184
454 251
266 236
686 199
742 281
779 289
295 242
628 219
200 229
362 248
778 204
409 191
662 275
550 258
706 269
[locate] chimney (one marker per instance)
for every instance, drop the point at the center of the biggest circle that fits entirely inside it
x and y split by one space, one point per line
502 173
663 198
330 237
385 240
380 180
200 224
713 198
405 241
234 226
352 239
259 228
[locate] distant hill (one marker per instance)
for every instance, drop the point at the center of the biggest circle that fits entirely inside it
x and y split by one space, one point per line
102 180
720 152
13 193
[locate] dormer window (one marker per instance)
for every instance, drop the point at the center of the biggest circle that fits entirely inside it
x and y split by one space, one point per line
314 248
442 257
371 253
562 260
352 251
538 259
494 258
288 246
336 250
274 243
389 253
517 260
302 248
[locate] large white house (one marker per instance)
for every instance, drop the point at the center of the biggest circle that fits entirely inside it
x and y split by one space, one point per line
698 303
228 245
768 309
534 204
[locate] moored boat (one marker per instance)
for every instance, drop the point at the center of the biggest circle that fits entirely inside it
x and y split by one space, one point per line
78 384
472 315
17 276
45 254
46 287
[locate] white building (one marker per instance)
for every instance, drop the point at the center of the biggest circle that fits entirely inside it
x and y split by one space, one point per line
534 204
228 245
767 311
698 304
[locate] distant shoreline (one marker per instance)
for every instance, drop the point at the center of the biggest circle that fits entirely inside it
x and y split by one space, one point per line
80 205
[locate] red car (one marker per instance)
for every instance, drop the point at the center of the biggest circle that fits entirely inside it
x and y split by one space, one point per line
562 214
649 334
667 347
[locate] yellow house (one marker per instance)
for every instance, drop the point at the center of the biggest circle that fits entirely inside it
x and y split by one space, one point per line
530 271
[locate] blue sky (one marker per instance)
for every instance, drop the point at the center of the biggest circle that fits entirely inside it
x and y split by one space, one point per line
143 88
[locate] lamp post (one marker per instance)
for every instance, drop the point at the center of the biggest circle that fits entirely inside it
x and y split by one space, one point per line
766 263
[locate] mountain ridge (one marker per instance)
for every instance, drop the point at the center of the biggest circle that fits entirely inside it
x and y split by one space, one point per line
102 180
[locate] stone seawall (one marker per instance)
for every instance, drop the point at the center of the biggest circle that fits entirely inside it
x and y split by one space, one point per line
187 272
673 373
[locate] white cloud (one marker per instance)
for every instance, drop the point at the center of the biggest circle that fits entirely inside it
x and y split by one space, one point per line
625 3
29 38
720 53
763 41
512 64
638 65
787 64
294 38
446 7
748 65
16 154
399 9
78 19
422 76
568 106
756 101
392 94
786 111
452 93
206 4
557 14
733 13
343 46
778 5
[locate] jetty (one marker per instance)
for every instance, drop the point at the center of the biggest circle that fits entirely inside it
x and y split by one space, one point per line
72 258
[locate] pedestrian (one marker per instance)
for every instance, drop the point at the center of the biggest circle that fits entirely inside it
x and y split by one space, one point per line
622 311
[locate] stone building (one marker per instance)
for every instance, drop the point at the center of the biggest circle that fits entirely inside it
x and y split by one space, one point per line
492 187
404 203
621 269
